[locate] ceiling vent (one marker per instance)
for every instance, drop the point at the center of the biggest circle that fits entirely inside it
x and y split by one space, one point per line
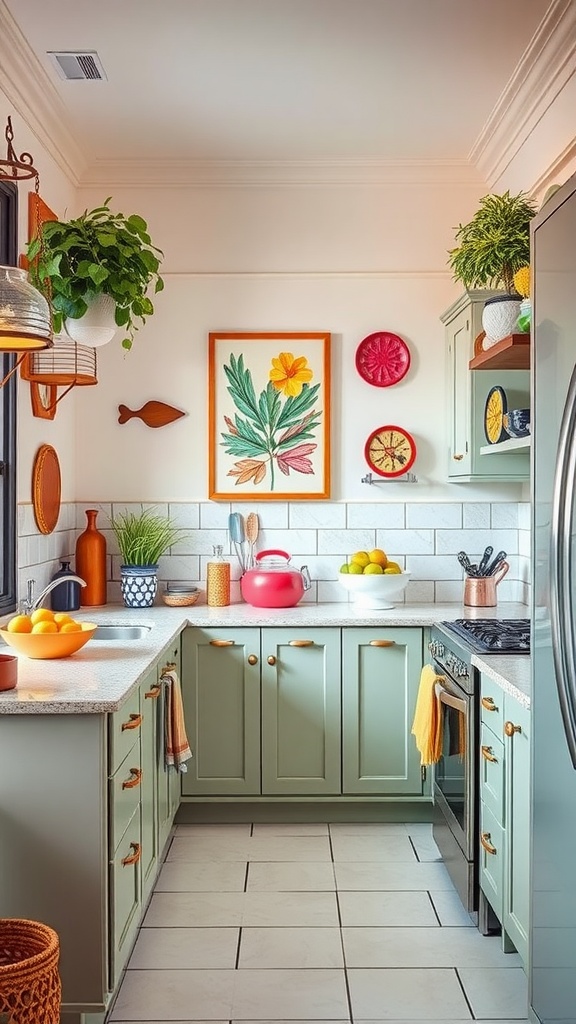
73 65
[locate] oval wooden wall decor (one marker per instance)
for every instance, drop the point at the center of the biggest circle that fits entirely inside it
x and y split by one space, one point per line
46 488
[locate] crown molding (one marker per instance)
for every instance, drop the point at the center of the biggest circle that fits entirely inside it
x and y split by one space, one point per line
548 62
280 173
555 173
29 89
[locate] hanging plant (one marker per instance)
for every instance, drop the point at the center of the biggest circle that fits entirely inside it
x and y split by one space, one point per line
98 253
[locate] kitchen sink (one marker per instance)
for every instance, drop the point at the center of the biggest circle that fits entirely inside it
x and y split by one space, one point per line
109 631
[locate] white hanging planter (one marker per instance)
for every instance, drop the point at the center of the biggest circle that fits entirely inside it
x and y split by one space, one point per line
499 318
97 326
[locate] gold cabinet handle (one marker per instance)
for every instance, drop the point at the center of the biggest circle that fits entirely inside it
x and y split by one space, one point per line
134 722
252 659
458 458
488 704
300 643
510 728
271 659
154 693
133 858
170 666
221 643
134 780
487 753
485 840
382 643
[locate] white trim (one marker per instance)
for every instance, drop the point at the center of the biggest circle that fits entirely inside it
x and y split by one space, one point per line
548 62
554 174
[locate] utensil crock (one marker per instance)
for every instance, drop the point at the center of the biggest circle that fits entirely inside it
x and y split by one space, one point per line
480 591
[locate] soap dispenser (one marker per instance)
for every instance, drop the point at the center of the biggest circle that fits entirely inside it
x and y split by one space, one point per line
66 596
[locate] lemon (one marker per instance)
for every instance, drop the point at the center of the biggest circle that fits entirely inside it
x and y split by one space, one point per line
360 558
19 624
354 569
45 626
393 565
344 568
71 627
392 570
60 618
42 615
379 557
373 569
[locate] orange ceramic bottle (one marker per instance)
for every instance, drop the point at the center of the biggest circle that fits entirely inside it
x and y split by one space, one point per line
91 562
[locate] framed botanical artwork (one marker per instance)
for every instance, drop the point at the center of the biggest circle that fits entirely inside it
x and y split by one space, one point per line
269 416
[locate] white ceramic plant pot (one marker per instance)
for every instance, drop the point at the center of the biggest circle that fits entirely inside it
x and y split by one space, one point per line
499 318
97 326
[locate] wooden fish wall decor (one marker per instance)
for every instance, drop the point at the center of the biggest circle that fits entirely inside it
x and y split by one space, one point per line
153 414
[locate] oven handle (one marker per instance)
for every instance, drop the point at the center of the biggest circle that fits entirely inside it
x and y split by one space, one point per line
561 613
448 698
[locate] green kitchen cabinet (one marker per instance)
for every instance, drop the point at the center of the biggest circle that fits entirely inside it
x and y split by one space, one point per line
301 712
167 781
517 815
150 693
381 670
221 693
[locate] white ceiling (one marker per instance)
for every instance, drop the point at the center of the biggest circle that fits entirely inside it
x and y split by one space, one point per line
277 80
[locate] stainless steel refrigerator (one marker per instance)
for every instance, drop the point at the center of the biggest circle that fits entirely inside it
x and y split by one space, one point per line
552 983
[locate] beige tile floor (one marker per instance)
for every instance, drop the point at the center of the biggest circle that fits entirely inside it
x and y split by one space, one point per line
304 923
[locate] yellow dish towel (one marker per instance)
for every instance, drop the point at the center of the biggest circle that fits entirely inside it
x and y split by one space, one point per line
427 724
177 749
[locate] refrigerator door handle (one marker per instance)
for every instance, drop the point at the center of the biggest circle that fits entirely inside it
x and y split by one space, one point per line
561 603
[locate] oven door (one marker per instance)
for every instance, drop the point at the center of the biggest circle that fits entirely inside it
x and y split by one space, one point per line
454 774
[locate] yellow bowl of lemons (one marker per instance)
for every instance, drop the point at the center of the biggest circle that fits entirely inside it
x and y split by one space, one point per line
47 634
373 580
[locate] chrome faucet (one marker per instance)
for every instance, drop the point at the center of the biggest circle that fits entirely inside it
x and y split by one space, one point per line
29 603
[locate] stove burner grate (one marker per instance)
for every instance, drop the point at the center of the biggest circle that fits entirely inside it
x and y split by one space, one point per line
494 636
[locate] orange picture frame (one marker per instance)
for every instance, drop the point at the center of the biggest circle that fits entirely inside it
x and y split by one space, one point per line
268 415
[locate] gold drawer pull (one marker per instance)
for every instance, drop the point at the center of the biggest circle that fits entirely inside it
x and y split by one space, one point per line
510 728
485 840
154 693
271 659
382 643
134 722
221 643
252 659
458 458
488 704
132 858
135 780
300 643
487 753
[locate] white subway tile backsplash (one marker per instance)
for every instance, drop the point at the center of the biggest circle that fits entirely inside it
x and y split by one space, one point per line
448 591
201 542
315 515
321 567
214 515
179 567
304 541
376 515
524 522
331 590
409 542
432 516
476 515
273 515
419 592
473 542
104 513
433 567
184 515
504 515
345 542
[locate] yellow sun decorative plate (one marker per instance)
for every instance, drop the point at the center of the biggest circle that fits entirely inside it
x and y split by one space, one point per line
494 410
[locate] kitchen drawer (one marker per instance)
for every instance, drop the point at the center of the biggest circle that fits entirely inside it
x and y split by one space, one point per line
124 896
492 706
492 773
125 790
124 730
491 863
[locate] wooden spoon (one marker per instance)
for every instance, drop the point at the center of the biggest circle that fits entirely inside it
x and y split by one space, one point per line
252 530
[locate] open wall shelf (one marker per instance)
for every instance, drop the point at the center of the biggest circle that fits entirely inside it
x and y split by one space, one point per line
512 353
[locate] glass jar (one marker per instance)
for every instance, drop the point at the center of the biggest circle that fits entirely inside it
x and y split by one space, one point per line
218 580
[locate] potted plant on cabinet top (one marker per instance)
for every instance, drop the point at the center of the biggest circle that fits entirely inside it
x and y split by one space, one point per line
101 262
142 538
491 248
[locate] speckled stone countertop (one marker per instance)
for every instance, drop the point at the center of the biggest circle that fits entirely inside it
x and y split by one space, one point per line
510 671
99 677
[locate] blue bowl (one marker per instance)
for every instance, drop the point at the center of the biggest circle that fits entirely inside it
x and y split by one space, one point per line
516 422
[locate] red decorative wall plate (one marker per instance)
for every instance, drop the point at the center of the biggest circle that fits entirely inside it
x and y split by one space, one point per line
382 359
390 451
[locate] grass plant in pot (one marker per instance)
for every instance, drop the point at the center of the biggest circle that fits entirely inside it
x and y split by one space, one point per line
96 271
142 538
491 248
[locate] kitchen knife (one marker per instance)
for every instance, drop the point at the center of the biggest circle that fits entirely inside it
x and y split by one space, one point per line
485 559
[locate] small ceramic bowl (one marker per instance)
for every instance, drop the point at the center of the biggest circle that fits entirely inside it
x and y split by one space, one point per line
8 671
516 422
180 595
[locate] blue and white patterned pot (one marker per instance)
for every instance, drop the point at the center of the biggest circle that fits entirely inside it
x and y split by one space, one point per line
138 584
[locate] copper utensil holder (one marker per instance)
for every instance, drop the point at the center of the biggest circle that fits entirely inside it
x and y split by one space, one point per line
480 591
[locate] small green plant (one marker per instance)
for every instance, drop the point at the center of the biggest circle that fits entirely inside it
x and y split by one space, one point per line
98 252
495 243
143 538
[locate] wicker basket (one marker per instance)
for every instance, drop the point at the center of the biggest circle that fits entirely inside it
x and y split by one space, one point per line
29 979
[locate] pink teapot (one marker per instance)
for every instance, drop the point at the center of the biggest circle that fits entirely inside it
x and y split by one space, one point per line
273 583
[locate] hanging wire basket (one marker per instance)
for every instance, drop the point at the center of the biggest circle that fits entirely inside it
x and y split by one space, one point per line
67 364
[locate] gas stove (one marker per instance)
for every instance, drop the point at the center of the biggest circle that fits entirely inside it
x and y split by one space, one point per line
493 636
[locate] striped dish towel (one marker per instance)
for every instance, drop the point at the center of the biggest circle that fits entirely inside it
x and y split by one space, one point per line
176 748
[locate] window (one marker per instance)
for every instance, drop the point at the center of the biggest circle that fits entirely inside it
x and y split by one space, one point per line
8 256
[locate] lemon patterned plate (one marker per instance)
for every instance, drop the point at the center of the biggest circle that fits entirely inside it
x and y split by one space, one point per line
494 410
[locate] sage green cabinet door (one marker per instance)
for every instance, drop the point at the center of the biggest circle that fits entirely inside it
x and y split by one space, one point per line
517 824
168 782
221 694
301 711
380 677
150 694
